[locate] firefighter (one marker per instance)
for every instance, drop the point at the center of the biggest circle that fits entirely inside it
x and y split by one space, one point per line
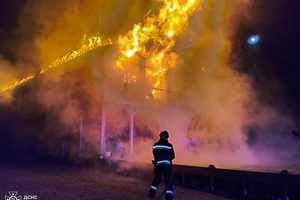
163 153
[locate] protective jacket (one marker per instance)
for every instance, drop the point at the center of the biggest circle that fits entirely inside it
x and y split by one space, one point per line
163 152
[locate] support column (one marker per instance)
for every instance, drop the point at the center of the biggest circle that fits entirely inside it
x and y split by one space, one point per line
211 184
103 123
245 191
285 185
285 191
132 112
80 136
211 179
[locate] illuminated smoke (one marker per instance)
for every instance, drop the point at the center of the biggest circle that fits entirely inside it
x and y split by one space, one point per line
230 124
7 75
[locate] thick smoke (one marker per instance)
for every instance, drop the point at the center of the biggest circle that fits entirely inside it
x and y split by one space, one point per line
233 126
7 75
218 95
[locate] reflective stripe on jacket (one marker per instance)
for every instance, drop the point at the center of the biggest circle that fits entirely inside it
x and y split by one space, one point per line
163 152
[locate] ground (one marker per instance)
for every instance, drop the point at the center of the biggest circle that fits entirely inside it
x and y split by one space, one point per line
56 181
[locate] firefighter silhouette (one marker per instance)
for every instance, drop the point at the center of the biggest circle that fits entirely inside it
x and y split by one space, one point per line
163 153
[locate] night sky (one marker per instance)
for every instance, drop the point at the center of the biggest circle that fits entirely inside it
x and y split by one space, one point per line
9 15
273 62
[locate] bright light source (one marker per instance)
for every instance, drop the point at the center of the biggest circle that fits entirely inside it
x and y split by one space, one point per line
253 39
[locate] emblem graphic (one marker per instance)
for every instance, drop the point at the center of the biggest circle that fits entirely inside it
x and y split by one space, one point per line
13 196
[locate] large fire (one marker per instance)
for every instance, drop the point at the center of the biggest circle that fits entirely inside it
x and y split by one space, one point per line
159 30
153 39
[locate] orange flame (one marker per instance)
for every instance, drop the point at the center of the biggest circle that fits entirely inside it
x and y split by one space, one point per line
153 39
160 30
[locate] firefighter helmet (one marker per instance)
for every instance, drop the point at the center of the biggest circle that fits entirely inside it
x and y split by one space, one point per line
164 135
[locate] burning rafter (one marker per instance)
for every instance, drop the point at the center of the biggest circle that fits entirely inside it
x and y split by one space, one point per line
94 43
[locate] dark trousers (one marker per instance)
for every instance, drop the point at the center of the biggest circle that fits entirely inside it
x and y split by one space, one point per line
166 172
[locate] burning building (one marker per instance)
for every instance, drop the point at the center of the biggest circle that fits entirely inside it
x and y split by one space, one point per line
111 96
